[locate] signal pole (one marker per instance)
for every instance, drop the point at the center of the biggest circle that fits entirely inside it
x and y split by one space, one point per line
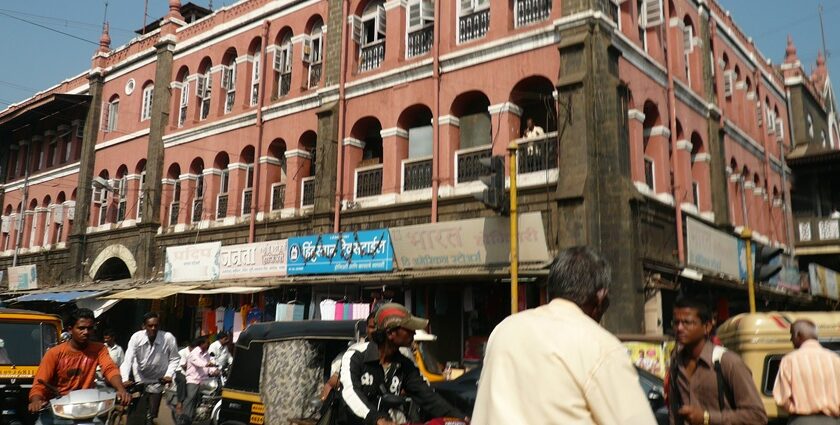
514 233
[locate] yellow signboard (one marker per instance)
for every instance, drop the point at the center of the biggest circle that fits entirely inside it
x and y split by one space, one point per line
17 371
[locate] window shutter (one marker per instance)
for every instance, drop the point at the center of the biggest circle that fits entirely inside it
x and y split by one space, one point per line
653 13
481 4
771 120
356 24
779 128
306 50
185 93
427 10
200 86
380 20
688 39
728 82
415 19
208 83
106 110
226 78
58 214
255 72
287 63
759 113
466 7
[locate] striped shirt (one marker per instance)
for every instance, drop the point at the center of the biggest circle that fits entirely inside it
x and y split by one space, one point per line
808 382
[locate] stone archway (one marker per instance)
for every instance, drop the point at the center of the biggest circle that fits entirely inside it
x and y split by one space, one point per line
118 253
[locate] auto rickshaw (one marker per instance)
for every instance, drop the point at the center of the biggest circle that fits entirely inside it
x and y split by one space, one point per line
24 338
762 339
280 367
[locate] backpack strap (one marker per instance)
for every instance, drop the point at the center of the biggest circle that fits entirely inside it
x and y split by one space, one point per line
723 386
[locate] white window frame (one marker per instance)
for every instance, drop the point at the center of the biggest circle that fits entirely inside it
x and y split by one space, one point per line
229 85
282 64
184 102
375 15
426 15
110 117
52 161
146 109
316 38
204 92
255 78
47 226
728 83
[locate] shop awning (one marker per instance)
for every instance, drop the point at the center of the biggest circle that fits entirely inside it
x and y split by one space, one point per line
150 293
58 297
98 306
226 290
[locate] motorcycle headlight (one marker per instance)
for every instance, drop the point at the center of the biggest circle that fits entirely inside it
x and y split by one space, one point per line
83 410
208 386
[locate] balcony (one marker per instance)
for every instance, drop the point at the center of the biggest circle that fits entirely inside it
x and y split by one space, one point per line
818 231
278 196
369 181
532 11
417 174
371 55
174 210
473 26
308 190
466 162
314 75
285 84
246 201
420 41
537 154
197 210
221 205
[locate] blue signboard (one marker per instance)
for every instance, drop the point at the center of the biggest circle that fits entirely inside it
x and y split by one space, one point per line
363 251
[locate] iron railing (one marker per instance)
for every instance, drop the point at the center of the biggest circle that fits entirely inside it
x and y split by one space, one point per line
816 229
537 154
278 196
314 74
371 55
221 205
420 41
285 84
246 201
174 210
473 26
417 174
469 167
369 181
532 11
197 209
308 198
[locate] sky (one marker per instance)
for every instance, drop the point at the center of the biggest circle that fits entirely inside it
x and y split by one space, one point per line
38 58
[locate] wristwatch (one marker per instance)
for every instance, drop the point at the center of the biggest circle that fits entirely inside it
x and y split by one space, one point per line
706 417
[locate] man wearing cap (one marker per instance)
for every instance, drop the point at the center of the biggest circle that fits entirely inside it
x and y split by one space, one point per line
375 368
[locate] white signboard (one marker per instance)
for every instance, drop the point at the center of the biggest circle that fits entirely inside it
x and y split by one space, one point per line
22 278
261 259
712 250
192 263
824 282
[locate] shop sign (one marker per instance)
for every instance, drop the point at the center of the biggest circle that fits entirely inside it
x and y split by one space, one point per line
22 278
789 277
192 263
362 251
823 281
261 259
716 251
474 242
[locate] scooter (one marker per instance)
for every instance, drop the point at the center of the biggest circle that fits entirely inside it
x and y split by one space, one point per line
82 407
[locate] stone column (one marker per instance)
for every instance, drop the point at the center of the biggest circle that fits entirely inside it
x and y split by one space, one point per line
394 151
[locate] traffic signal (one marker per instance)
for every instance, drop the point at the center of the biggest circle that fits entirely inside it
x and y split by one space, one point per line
767 262
494 196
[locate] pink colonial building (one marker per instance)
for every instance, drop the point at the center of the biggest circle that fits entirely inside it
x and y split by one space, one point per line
268 119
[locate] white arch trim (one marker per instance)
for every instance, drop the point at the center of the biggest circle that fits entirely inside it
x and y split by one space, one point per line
114 251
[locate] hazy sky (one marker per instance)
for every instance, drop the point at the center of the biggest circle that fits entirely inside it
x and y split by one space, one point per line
37 58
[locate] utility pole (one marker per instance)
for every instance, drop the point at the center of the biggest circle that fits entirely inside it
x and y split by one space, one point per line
514 232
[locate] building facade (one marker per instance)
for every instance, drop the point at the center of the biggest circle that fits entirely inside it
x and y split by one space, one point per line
270 119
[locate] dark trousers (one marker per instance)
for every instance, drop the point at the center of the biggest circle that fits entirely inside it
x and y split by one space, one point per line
813 420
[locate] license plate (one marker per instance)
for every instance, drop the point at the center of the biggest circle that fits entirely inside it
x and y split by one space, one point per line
18 371
258 408
257 419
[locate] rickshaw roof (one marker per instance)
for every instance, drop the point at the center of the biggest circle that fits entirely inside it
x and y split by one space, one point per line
307 329
13 313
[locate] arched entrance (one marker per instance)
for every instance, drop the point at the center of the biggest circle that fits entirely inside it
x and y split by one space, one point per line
113 263
112 269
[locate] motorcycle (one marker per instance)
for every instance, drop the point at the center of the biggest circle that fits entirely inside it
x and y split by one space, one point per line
83 407
390 401
206 411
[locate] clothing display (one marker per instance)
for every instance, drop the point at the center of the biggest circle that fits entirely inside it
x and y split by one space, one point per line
228 320
220 319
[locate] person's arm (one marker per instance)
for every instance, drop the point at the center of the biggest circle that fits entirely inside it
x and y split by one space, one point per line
782 391
357 402
39 394
613 393
749 410
125 366
419 390
174 357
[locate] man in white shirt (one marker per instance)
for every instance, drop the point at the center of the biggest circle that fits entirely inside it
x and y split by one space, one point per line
219 350
152 358
114 349
532 131
555 364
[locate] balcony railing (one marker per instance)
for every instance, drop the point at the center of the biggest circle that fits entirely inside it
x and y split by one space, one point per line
221 205
314 75
278 196
285 84
420 41
308 198
197 209
532 11
174 210
537 154
818 229
246 201
371 55
369 181
469 169
473 26
417 174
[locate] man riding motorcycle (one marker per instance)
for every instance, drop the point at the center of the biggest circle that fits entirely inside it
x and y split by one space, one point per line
72 366
376 368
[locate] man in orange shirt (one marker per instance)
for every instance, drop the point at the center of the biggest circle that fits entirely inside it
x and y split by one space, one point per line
808 382
72 366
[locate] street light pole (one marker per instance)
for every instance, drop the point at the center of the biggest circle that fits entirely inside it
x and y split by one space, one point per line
514 233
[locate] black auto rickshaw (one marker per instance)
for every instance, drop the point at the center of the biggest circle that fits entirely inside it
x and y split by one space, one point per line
24 338
280 367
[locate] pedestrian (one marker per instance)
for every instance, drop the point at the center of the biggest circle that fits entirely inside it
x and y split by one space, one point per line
709 385
200 366
114 349
219 350
555 364
152 358
808 382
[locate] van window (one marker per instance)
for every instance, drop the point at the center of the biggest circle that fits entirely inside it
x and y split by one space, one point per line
771 369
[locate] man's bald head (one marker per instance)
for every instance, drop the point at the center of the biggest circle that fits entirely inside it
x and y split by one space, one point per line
801 331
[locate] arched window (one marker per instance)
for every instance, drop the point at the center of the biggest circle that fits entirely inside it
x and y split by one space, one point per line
121 194
111 114
313 52
184 98
369 35
283 64
204 88
229 80
256 52
148 96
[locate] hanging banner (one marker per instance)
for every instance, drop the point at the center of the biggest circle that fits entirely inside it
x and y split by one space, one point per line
261 259
363 251
192 263
823 282
474 242
23 278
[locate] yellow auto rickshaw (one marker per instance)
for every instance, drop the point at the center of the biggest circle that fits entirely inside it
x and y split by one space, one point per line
24 338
